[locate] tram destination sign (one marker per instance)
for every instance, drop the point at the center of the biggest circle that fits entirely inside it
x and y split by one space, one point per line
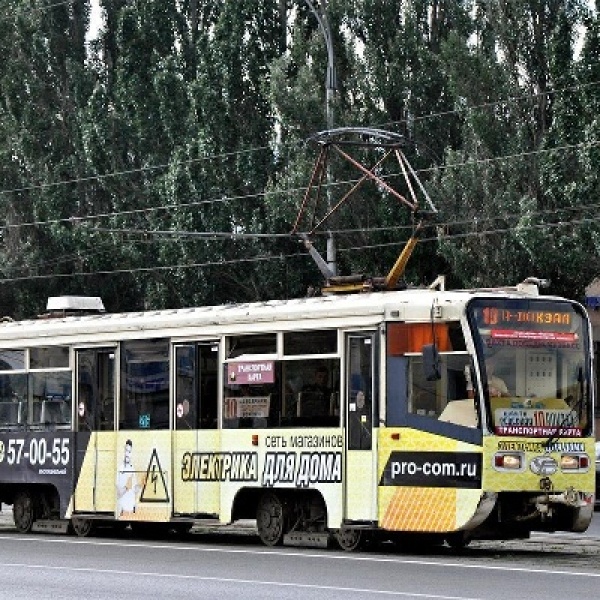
552 319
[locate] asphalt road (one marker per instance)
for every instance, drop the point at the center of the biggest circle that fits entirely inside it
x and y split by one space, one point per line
62 567
225 566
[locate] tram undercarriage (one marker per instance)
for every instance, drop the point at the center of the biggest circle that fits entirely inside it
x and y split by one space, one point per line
300 519
516 515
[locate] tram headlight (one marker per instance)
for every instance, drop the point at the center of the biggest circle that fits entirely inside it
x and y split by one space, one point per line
509 461
574 462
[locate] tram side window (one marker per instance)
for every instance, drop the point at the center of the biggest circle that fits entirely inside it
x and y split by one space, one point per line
12 360
311 387
49 390
312 392
13 400
144 400
49 358
39 399
446 398
440 398
50 401
250 398
281 394
259 391
239 345
310 342
13 390
186 386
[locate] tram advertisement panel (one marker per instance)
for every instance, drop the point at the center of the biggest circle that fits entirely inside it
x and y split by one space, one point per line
28 457
32 457
428 482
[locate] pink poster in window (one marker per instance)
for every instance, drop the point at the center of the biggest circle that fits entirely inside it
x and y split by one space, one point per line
252 373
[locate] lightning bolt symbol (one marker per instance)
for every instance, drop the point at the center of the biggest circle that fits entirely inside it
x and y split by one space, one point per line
154 477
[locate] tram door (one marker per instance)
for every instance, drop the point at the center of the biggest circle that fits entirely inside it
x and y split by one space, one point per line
360 473
196 412
95 439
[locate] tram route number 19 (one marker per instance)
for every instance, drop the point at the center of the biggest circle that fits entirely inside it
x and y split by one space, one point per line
38 451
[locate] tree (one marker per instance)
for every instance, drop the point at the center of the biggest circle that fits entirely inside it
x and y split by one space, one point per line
43 81
527 122
151 166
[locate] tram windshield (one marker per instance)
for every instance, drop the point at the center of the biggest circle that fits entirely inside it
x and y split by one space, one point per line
534 363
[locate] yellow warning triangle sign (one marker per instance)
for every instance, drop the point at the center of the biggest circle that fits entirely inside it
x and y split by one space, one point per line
155 486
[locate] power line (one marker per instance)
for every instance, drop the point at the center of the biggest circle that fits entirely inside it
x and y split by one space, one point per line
228 235
51 6
164 166
279 257
494 104
178 235
289 191
131 171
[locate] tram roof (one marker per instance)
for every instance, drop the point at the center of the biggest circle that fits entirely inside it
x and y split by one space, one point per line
308 313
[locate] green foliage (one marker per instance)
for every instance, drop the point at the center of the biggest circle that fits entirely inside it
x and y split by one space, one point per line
137 166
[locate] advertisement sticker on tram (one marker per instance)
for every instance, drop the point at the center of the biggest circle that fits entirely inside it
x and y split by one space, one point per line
30 455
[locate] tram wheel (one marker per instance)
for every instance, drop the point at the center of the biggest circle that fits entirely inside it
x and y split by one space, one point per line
81 527
24 512
271 519
349 539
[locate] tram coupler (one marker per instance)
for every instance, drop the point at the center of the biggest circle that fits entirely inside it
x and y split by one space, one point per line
570 497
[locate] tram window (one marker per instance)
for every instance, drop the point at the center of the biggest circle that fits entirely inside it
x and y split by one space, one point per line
237 345
106 390
457 339
209 389
48 358
288 394
196 390
13 400
145 384
596 377
310 342
13 387
407 383
447 399
423 396
250 398
12 360
315 386
50 399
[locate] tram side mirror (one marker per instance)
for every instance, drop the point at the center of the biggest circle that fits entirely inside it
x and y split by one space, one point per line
431 363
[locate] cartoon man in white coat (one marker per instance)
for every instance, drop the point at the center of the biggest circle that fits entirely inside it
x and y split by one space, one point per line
127 484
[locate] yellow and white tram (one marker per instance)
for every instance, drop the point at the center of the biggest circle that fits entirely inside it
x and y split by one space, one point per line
332 417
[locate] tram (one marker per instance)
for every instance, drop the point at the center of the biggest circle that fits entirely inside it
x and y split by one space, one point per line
451 415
